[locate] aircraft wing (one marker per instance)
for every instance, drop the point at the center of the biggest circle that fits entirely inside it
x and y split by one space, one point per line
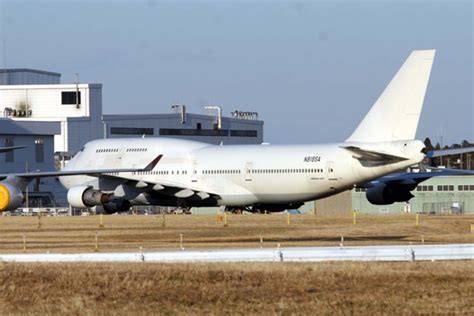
161 187
179 191
447 152
414 178
166 187
12 148
90 172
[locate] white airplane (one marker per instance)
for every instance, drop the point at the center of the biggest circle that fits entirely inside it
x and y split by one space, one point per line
265 177
184 173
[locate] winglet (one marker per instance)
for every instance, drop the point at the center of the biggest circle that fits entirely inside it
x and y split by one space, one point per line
152 164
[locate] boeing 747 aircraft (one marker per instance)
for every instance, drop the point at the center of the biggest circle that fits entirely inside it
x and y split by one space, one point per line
263 177
184 173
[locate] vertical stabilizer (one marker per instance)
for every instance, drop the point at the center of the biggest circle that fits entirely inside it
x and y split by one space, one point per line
396 113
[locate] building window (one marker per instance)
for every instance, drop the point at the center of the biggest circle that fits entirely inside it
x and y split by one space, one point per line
207 132
39 149
193 132
445 187
131 131
70 97
243 133
9 155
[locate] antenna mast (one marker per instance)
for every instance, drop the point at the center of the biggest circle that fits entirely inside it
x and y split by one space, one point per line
77 90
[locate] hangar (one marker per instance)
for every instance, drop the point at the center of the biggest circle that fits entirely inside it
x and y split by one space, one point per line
438 195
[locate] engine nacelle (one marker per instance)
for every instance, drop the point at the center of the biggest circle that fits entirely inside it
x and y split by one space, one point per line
117 205
83 196
383 194
11 197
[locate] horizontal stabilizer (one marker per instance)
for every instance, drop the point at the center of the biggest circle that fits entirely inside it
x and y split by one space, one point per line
372 155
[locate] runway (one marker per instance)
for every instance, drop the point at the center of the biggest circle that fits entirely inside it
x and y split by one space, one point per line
293 254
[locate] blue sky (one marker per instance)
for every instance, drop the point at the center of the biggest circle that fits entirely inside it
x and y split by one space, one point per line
312 69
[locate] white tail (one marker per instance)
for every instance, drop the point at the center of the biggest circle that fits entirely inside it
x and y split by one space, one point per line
396 113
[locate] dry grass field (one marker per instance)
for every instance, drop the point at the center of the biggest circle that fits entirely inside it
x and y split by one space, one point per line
233 288
342 288
130 232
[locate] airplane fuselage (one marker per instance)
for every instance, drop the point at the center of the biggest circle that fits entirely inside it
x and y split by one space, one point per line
237 175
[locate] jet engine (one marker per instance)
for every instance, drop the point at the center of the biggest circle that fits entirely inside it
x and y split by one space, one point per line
83 196
384 194
117 205
11 197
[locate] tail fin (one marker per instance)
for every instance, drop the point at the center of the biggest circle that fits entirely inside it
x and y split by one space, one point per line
396 113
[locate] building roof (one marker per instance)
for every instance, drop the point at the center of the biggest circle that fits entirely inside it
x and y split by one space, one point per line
37 71
152 116
13 127
50 86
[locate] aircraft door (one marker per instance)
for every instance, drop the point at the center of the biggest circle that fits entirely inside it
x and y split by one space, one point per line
119 160
194 171
120 156
330 172
248 171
